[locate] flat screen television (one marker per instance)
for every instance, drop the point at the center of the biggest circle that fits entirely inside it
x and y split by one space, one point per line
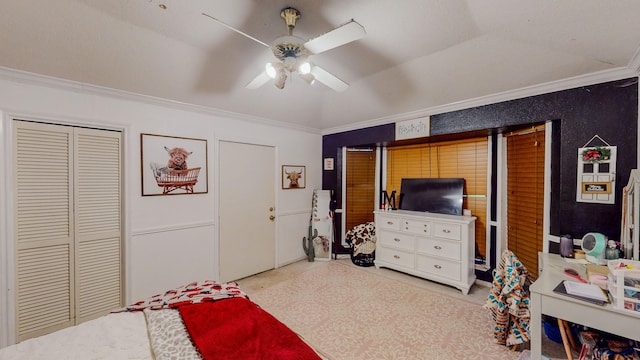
436 195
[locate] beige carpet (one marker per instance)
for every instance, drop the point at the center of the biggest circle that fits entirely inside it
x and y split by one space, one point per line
349 313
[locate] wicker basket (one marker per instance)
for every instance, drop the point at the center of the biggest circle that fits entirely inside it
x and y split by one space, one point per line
179 179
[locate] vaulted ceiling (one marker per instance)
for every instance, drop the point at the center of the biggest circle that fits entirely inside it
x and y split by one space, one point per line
417 57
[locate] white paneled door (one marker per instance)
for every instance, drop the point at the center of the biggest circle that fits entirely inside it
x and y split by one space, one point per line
247 209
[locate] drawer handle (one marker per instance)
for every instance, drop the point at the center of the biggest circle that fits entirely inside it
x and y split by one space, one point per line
396 239
437 267
396 257
437 247
425 230
389 222
446 231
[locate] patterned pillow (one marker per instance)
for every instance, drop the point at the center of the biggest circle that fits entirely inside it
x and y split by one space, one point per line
361 233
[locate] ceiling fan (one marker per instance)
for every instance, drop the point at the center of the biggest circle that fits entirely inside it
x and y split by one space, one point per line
293 52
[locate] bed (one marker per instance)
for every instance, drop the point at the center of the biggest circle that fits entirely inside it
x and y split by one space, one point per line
201 320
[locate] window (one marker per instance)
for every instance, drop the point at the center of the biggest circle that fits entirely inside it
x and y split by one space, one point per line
466 159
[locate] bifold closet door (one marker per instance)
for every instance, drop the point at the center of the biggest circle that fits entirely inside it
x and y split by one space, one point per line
43 228
67 216
98 218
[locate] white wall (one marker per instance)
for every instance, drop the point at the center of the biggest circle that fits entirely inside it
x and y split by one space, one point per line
169 240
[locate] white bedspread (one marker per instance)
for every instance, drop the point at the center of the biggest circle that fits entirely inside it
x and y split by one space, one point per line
115 336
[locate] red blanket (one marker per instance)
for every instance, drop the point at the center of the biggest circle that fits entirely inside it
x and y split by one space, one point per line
238 329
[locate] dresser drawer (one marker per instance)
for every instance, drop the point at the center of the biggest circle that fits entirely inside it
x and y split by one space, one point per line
447 231
416 226
396 257
396 240
439 248
439 267
387 222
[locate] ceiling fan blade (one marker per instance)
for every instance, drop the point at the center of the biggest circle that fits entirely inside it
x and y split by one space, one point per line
329 79
258 81
341 35
236 30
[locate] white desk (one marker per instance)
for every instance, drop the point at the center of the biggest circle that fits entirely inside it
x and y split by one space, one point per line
545 301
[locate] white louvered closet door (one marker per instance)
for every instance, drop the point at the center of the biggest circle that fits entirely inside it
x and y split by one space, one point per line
43 228
67 262
98 234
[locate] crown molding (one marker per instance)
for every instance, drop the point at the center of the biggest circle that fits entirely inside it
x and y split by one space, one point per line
30 78
634 63
565 84
632 70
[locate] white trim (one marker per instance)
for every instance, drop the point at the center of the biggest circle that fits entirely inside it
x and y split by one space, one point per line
488 222
4 235
85 88
9 326
180 227
546 217
565 84
378 178
501 197
343 218
634 63
295 212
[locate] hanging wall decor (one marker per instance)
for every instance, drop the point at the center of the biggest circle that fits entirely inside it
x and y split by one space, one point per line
293 177
596 172
173 165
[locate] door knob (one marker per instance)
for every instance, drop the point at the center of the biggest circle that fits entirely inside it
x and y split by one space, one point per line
271 217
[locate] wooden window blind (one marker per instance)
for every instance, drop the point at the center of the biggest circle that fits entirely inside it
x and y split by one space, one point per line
360 179
525 195
466 159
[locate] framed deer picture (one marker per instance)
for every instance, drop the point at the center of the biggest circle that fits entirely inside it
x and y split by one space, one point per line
173 165
293 176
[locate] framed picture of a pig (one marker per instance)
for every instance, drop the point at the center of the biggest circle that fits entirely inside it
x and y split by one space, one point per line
172 165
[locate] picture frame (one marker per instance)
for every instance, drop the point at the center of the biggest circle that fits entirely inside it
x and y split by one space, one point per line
328 164
294 177
173 165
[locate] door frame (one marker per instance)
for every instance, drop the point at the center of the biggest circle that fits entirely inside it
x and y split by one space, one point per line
216 191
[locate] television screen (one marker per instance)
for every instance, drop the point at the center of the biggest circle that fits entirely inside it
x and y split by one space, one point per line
443 195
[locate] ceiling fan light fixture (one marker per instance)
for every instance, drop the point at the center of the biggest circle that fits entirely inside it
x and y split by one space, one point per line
293 52
280 79
304 68
309 78
271 70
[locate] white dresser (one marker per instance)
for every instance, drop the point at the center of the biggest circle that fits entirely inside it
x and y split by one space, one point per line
433 246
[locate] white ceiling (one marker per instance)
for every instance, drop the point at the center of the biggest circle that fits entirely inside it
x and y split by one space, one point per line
417 56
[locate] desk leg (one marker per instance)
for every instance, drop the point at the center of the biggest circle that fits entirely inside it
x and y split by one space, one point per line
535 326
